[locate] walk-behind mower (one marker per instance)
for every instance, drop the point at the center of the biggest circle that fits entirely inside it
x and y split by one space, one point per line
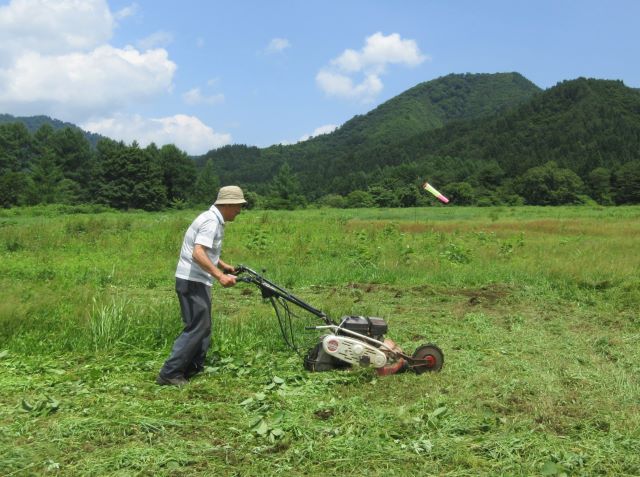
354 340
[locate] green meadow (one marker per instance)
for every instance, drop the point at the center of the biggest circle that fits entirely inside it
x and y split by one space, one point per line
536 310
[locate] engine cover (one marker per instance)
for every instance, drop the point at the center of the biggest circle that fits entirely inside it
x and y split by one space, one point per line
353 351
365 325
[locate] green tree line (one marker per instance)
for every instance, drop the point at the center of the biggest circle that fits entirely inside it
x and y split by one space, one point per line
60 166
480 139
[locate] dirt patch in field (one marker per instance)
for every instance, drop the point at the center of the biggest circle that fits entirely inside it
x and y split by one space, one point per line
545 226
573 227
429 290
589 228
324 414
487 294
416 228
367 287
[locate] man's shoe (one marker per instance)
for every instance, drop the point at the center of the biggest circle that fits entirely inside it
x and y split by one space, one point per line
178 381
191 372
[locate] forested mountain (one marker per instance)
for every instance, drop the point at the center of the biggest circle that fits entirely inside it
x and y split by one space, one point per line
327 159
433 104
33 123
480 135
581 125
481 139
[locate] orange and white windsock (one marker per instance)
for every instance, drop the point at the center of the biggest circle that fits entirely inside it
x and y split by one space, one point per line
429 188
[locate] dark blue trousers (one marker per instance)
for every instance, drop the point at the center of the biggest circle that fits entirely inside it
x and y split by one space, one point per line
190 348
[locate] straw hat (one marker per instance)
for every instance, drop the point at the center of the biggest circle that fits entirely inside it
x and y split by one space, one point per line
230 195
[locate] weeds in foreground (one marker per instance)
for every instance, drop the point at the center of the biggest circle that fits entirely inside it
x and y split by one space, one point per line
109 324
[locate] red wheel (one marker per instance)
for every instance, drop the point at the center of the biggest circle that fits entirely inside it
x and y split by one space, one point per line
427 358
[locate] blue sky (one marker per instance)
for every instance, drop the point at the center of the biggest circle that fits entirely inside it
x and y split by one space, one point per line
202 74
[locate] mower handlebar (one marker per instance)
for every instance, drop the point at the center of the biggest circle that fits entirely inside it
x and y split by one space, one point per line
241 269
270 289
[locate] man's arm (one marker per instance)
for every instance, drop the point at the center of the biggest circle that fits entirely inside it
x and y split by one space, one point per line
201 258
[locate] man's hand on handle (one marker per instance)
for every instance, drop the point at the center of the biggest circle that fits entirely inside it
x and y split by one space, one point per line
227 280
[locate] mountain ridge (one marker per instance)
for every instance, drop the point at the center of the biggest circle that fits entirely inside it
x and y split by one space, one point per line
585 116
33 123
426 106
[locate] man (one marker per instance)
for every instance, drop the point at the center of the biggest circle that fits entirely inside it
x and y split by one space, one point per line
198 266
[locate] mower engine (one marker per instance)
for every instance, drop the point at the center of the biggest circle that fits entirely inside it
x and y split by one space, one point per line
347 346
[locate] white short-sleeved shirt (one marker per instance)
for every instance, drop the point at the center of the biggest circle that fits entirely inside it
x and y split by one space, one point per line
207 230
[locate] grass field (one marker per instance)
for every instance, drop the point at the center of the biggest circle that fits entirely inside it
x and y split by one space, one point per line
536 310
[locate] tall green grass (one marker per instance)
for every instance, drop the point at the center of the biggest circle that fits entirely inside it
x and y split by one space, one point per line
72 269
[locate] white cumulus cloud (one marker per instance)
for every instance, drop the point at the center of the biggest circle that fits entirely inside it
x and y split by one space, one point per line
56 59
75 86
195 96
340 85
326 129
128 11
278 45
369 64
53 27
187 132
378 52
159 39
